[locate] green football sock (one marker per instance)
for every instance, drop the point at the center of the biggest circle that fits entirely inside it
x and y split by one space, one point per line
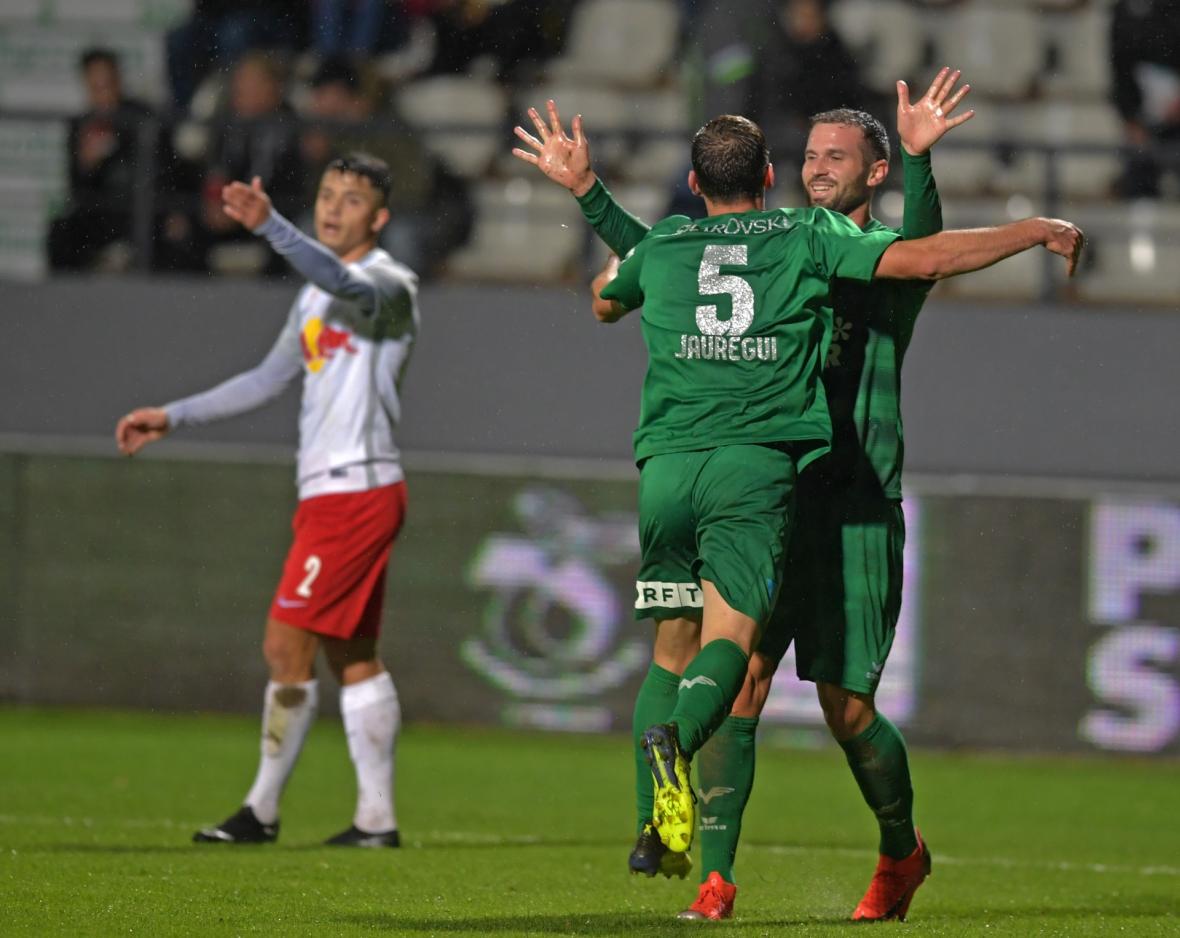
725 778
881 768
710 684
653 704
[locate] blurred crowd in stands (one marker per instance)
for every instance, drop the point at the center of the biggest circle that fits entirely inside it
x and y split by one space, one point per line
275 88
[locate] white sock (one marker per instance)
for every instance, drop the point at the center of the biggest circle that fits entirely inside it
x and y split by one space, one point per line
372 717
287 714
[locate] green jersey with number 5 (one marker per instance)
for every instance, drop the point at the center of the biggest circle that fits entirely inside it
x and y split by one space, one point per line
737 320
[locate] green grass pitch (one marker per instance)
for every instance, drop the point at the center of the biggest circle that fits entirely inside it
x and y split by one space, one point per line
525 834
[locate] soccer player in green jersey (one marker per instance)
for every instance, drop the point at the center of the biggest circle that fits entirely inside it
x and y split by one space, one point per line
698 526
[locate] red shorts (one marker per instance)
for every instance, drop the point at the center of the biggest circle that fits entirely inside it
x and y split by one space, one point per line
334 578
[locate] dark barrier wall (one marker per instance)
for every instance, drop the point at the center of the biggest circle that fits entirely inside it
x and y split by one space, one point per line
1056 391
1031 621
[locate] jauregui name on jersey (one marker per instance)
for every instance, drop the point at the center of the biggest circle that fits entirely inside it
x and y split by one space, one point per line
729 348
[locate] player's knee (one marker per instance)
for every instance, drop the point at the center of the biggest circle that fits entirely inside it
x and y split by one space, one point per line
847 713
288 661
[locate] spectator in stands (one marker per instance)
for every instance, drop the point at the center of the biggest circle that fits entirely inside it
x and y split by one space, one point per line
1145 58
256 134
430 207
778 62
351 27
802 68
103 145
219 32
510 32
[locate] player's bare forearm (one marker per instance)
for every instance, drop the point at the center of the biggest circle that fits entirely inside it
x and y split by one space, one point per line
950 253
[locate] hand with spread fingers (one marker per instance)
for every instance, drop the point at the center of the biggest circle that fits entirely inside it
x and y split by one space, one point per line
248 205
563 158
921 125
1066 239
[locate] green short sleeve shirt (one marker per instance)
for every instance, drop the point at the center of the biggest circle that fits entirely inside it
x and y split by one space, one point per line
737 320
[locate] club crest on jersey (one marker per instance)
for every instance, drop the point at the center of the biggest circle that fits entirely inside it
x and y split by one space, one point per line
320 342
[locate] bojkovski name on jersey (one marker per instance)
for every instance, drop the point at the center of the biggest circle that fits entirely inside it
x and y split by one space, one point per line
740 226
728 348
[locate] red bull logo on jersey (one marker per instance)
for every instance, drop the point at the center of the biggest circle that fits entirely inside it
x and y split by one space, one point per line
320 342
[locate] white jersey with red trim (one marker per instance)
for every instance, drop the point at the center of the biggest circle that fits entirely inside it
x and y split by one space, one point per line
350 332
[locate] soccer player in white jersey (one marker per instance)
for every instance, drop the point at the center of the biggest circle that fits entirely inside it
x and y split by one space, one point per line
349 333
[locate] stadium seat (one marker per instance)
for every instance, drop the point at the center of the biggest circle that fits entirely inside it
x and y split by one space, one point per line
524 231
660 122
462 119
629 43
999 49
98 11
24 224
1133 252
141 13
19 11
1066 124
1080 41
888 38
608 117
970 171
38 66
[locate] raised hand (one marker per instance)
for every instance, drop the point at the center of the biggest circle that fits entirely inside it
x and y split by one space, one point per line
1066 239
248 205
920 125
563 158
140 427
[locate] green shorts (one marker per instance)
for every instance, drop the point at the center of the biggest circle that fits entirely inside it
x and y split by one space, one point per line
721 515
841 592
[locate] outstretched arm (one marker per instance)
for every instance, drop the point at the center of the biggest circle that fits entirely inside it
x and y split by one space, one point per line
239 394
958 252
250 206
565 159
919 126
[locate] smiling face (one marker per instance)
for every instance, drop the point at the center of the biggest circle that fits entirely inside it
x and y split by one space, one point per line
839 172
349 213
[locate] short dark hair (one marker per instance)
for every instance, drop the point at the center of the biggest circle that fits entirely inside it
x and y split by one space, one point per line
96 54
365 164
729 157
874 131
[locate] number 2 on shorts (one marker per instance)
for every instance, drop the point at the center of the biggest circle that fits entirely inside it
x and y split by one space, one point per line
313 565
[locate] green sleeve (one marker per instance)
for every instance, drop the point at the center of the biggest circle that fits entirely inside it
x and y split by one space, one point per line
625 288
615 225
840 249
923 208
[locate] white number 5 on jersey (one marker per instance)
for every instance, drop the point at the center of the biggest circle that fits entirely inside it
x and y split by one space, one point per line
711 281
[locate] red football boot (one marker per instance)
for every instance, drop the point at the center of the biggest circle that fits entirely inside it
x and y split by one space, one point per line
893 886
714 902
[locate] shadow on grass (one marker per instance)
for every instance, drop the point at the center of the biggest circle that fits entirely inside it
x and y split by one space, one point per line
594 923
